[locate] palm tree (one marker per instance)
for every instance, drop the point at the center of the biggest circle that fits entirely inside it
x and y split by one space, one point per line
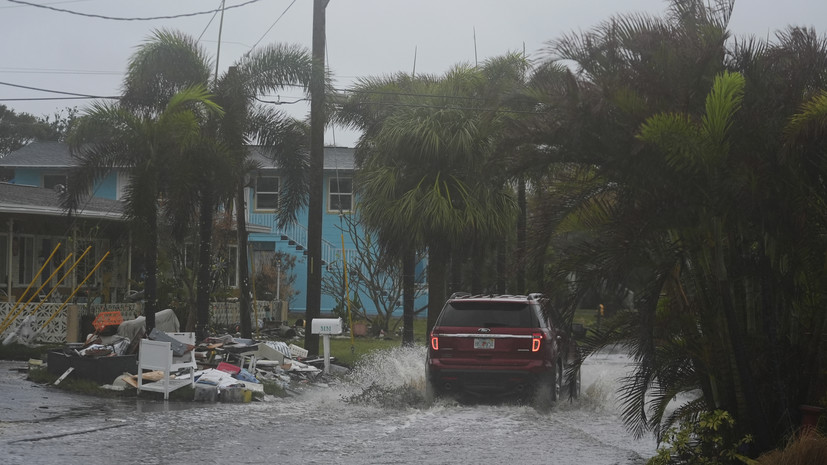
710 208
284 139
424 175
171 60
151 146
607 224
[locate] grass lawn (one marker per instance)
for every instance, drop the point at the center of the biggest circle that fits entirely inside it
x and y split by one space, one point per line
585 316
348 354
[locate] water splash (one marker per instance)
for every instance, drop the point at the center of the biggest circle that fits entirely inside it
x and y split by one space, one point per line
391 378
395 379
393 367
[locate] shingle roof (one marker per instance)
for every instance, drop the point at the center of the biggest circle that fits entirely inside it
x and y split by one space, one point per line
15 198
39 155
340 158
56 155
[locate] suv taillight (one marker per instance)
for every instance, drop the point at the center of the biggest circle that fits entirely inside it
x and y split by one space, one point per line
434 342
536 340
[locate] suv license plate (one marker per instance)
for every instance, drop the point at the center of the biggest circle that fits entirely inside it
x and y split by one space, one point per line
483 343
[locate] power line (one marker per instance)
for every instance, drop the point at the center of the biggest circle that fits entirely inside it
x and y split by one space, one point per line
58 71
269 29
75 94
115 18
444 107
208 24
397 104
53 3
38 99
279 102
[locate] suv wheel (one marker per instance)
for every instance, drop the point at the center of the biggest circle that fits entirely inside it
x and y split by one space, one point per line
430 391
549 387
574 386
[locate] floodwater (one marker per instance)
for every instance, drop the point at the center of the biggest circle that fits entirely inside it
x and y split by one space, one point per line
375 416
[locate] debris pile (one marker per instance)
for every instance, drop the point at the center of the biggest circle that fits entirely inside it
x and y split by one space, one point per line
223 368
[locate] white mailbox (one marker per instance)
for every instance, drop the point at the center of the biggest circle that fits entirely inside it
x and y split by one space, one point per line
326 326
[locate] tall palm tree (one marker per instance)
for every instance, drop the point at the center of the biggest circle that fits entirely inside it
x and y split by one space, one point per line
366 110
152 147
282 138
171 60
423 174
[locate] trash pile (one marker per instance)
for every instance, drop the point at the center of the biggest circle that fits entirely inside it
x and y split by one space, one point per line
223 368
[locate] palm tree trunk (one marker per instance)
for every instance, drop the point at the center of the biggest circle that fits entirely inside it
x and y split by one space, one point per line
202 292
408 290
437 264
520 253
243 266
744 383
501 251
151 283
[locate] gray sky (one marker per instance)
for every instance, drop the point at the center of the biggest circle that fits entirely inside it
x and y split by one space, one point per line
65 52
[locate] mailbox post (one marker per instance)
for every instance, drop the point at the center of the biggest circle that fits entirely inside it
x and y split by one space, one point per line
325 327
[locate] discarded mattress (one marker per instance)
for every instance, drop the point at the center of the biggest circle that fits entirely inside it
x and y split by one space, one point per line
165 320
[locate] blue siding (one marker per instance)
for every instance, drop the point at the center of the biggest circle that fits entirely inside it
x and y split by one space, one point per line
331 238
106 188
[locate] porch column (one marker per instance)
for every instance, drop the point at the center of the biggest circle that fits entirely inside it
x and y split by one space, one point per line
9 259
129 264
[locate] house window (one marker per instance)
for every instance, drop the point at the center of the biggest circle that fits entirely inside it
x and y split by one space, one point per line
52 180
267 193
340 192
23 255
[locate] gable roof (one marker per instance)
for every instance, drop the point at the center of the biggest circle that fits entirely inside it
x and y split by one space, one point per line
57 155
15 198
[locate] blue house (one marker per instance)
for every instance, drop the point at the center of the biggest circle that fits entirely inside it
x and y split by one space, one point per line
45 165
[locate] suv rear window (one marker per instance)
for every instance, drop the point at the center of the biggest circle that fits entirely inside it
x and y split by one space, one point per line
487 314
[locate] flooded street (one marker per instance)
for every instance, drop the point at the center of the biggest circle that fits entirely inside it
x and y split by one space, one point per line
376 416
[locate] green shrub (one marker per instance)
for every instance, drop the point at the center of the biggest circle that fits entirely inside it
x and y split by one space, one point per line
710 441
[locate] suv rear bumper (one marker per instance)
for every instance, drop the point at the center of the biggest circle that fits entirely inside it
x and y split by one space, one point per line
483 382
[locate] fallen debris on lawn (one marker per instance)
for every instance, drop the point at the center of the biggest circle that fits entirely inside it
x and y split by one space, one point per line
224 368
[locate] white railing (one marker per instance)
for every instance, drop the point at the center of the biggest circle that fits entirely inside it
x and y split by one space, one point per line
298 233
227 314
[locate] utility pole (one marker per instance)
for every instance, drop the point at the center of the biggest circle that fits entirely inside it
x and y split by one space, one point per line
314 213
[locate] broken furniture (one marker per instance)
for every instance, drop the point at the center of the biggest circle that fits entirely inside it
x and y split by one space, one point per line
158 355
102 370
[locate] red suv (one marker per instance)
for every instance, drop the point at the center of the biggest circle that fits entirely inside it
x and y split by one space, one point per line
500 345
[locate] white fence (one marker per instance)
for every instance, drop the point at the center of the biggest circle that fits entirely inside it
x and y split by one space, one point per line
227 315
56 330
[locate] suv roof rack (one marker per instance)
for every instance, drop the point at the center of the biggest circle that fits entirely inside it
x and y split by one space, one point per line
467 295
459 295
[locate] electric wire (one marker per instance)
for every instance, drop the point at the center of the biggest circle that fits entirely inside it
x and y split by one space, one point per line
53 3
116 18
269 29
39 89
208 24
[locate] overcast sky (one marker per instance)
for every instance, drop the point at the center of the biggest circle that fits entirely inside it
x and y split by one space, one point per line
65 52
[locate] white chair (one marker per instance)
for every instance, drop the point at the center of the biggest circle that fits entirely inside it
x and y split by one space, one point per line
157 355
